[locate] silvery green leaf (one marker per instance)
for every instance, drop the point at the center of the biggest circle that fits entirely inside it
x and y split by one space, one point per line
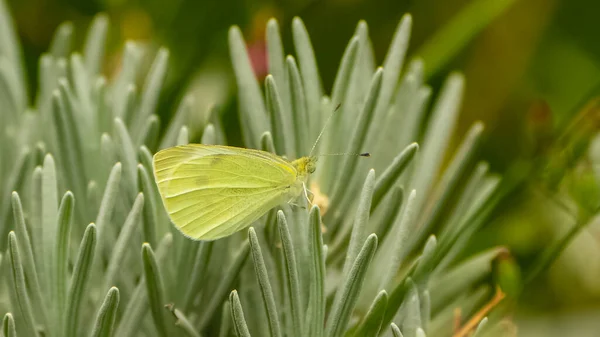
344 304
293 281
8 326
264 283
225 285
17 279
155 289
63 240
252 111
150 92
106 317
95 40
237 314
61 41
396 331
310 75
30 272
371 323
79 281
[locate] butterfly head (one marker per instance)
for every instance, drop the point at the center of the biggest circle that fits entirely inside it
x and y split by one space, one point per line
305 165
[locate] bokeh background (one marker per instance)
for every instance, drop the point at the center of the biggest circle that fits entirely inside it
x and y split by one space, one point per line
532 70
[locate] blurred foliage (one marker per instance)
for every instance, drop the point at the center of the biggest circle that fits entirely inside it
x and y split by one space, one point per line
532 70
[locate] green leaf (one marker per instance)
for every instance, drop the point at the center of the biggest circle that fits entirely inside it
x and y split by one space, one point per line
209 136
13 182
35 217
410 313
60 47
293 282
181 118
151 91
357 138
108 151
8 326
49 224
9 94
81 97
149 227
392 64
252 111
359 227
225 320
310 75
479 331
316 305
198 274
437 137
105 320
69 138
150 132
129 108
17 278
298 107
449 183
389 211
371 323
107 208
123 242
281 128
137 307
11 49
265 286
126 154
391 174
79 280
392 254
462 277
237 315
25 247
344 73
183 137
183 322
341 89
155 289
411 105
396 331
425 301
266 142
123 86
343 305
219 295
95 40
276 64
426 263
63 235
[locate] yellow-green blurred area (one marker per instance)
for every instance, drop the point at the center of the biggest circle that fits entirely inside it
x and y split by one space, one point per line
532 70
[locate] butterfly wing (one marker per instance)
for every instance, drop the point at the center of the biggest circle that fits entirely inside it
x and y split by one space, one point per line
213 191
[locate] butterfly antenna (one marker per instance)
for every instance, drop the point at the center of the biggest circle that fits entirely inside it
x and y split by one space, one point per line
364 154
323 129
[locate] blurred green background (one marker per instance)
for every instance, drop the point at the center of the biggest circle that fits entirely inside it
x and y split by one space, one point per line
532 70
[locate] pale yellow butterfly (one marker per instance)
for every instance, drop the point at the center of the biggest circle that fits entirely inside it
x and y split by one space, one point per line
212 191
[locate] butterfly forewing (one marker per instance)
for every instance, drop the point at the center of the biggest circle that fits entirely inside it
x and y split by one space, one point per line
213 191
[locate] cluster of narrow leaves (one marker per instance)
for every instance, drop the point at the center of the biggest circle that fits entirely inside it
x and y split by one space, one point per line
89 249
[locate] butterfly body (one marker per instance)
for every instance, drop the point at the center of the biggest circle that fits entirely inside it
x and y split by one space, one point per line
212 191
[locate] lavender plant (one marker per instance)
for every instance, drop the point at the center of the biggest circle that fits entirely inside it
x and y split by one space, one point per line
89 250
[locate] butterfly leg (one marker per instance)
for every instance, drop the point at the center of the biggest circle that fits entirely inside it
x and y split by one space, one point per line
296 205
306 193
